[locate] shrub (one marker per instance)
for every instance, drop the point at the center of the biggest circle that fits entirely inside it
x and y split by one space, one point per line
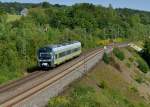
142 65
131 59
128 65
139 79
146 51
59 102
102 84
119 54
106 58
82 95
134 89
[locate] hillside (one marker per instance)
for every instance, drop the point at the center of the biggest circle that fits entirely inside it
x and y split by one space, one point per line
118 84
92 25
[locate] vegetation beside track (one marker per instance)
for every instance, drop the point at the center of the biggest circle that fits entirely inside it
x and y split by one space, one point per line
108 85
12 18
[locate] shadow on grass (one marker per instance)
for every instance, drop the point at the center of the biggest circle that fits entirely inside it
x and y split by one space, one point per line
36 68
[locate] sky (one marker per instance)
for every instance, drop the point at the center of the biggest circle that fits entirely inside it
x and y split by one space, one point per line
133 4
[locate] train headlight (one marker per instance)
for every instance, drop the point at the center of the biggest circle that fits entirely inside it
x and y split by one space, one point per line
44 64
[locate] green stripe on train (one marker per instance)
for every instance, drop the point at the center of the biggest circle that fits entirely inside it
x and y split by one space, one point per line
65 58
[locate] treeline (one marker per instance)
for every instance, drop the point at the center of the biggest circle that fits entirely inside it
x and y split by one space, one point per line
16 7
146 51
47 24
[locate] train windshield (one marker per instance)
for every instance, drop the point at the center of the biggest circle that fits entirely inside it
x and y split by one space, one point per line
44 53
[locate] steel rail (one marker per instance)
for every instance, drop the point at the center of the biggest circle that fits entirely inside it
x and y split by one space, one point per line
15 83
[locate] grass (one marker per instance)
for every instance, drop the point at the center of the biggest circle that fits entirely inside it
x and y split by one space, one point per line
11 18
103 87
107 86
119 54
9 76
139 79
109 41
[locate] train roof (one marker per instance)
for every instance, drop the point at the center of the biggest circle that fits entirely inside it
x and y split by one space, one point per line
58 47
67 45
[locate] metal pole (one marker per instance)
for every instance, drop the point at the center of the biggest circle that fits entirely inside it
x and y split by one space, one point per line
85 48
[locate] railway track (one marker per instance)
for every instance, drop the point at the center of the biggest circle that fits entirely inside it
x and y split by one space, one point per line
48 79
15 83
24 79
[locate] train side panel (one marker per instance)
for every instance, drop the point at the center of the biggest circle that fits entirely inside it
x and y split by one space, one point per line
67 57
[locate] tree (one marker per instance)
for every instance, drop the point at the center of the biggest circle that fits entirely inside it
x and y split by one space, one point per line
146 51
39 16
134 20
106 58
45 5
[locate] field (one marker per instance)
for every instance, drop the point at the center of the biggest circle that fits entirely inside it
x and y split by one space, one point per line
11 18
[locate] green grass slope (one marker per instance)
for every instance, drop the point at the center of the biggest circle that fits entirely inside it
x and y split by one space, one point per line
108 85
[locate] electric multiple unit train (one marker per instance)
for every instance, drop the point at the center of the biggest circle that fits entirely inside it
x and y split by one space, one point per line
53 55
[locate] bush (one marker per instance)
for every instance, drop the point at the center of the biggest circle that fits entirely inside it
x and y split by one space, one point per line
102 84
106 58
119 54
131 59
142 65
146 51
133 89
59 102
139 79
128 65
80 96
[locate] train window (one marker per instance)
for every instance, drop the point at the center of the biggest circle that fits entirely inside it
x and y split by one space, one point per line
62 54
68 52
73 50
56 56
76 49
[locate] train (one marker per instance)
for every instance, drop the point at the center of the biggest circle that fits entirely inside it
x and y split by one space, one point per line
52 55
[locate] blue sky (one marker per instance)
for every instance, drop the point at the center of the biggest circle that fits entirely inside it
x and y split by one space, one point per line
134 4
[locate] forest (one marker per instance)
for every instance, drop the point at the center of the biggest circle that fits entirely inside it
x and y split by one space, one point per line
50 24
